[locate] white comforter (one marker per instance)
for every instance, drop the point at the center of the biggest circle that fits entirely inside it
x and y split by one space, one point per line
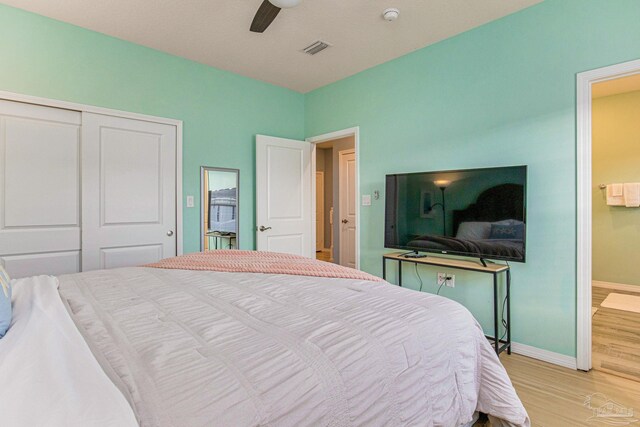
48 376
196 348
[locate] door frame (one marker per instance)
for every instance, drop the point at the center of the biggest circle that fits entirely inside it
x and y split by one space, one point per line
315 140
47 102
321 174
584 83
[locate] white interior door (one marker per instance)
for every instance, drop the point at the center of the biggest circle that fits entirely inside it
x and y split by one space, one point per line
39 189
284 214
319 211
347 182
128 191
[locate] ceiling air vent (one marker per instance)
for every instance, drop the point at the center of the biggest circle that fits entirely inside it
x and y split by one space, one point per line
316 47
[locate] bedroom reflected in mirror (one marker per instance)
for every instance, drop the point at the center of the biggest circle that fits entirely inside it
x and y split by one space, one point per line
473 212
219 219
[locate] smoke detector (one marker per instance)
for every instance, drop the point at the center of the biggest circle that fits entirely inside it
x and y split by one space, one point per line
391 14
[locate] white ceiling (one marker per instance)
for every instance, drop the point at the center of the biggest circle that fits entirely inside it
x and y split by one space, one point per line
216 32
616 86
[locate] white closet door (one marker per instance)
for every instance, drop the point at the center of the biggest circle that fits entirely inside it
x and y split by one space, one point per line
128 192
39 189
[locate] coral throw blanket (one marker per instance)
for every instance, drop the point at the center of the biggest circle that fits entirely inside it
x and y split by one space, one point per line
261 262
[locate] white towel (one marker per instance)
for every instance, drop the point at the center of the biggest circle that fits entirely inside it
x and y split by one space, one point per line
615 196
617 190
632 194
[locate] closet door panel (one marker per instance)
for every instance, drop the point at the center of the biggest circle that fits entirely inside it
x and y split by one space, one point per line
51 151
128 192
135 255
131 177
52 263
39 189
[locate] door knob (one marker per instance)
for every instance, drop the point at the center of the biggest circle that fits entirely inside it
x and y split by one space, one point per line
344 221
263 228
170 233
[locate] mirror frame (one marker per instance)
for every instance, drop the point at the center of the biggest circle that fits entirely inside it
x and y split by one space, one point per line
203 206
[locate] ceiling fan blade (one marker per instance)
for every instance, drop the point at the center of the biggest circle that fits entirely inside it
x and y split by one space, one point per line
267 12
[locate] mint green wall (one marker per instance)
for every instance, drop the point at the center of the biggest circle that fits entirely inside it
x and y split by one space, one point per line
501 94
222 111
615 159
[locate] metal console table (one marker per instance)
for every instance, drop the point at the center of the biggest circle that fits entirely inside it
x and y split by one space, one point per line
494 269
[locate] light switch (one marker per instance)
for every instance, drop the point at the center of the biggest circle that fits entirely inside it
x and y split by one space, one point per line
190 202
366 200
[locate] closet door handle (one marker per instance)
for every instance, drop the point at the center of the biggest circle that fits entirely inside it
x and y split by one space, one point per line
170 233
263 228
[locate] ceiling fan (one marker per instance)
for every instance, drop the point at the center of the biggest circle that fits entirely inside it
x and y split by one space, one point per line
268 11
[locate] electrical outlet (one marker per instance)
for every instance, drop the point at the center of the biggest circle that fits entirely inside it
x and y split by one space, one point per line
447 279
450 281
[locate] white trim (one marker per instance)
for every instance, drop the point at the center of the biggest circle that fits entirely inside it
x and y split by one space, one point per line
544 355
28 99
355 132
324 215
616 286
584 81
179 207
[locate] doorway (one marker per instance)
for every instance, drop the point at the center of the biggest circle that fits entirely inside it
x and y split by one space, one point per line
336 197
608 234
615 109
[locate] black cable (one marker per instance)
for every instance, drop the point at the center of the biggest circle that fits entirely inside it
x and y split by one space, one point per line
418 274
420 279
504 322
504 303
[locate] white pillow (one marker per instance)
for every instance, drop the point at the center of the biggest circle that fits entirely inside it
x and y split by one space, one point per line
5 301
474 230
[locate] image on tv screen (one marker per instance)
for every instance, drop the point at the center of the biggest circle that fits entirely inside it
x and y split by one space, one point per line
474 212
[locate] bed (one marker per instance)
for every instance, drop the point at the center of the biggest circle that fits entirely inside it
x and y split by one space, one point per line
492 227
257 342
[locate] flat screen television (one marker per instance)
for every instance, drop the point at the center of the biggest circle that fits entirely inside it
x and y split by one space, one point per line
473 212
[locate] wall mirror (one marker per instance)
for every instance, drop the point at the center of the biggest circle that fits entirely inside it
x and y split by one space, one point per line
219 219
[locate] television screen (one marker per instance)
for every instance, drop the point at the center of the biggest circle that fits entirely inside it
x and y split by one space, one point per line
473 212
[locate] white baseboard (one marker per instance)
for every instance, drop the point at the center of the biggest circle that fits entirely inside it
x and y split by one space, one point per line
616 286
544 355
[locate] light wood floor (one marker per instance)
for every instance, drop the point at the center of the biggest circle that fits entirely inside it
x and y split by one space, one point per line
616 338
556 396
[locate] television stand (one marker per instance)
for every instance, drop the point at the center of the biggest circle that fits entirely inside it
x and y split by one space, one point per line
498 343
